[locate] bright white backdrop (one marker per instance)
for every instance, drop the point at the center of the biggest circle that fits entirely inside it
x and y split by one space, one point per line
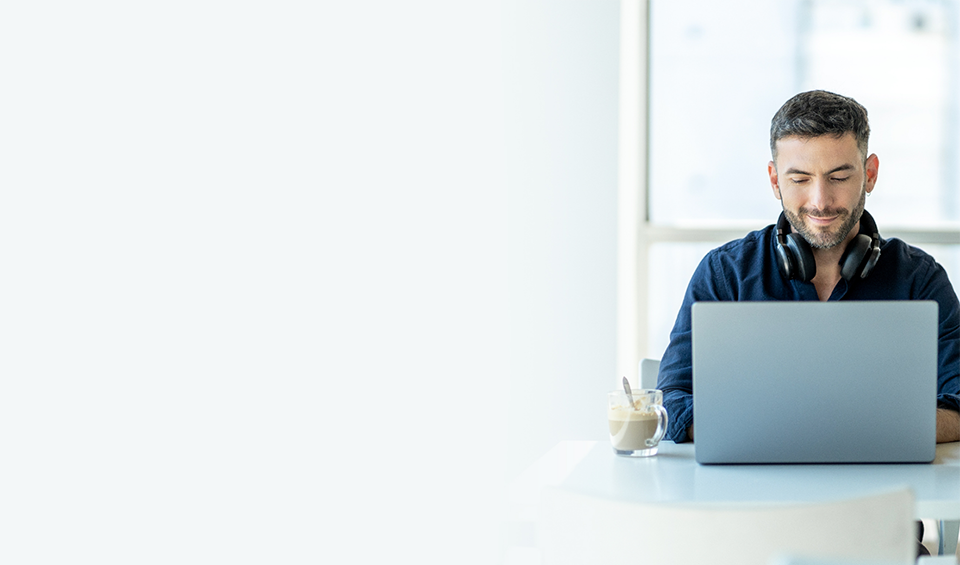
288 281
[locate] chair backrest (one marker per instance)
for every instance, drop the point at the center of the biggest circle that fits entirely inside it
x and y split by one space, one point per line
649 369
577 528
803 561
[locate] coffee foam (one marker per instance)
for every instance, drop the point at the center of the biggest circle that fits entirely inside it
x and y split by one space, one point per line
639 412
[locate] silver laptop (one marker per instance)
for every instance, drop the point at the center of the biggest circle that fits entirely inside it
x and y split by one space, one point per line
815 382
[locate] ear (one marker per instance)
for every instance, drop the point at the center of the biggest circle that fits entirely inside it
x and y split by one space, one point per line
774 180
871 169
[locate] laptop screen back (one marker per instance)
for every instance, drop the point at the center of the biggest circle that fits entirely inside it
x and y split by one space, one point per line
815 382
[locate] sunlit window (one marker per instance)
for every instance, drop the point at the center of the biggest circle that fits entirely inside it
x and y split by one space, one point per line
718 71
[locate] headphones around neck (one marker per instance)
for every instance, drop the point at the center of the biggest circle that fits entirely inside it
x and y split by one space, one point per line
795 258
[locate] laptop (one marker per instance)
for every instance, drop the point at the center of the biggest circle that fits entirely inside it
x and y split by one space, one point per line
815 382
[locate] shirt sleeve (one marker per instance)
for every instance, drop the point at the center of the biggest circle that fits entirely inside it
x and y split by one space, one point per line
937 287
676 373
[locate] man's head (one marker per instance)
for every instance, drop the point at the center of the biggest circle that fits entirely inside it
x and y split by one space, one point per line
820 171
816 113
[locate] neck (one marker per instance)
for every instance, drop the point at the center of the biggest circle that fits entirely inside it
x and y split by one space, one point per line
828 265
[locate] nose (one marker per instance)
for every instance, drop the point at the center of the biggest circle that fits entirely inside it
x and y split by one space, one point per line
819 197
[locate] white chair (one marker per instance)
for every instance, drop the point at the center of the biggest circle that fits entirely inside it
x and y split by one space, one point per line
577 528
649 368
802 561
926 560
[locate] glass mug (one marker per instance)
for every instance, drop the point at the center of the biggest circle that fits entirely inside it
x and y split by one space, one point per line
635 431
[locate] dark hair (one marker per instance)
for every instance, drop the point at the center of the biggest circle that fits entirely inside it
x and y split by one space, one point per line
816 113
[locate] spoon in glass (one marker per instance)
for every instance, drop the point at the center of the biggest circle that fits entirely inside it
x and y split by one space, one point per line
626 389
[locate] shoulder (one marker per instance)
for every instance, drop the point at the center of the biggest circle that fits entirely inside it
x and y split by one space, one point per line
905 257
725 270
753 245
913 270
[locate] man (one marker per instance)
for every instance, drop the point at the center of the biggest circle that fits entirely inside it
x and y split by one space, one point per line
822 174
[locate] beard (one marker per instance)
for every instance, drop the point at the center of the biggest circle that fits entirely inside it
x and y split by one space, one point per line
824 237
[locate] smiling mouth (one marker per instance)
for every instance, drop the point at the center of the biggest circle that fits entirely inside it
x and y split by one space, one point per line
822 218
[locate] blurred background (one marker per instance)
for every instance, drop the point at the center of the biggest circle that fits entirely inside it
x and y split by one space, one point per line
293 281
717 74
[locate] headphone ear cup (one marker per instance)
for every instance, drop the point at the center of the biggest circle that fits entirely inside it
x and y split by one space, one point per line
785 262
854 261
871 261
805 266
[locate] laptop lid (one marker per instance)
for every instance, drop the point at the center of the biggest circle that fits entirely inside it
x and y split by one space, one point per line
815 382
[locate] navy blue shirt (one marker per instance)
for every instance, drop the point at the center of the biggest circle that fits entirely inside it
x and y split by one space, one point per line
746 269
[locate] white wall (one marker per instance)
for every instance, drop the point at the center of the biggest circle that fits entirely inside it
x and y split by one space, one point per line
286 281
561 97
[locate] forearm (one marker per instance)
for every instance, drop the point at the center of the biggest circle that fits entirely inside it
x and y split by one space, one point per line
948 425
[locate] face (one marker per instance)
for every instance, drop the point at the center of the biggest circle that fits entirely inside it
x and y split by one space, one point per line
822 183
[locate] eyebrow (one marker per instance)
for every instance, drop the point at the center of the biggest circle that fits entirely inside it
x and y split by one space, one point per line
793 171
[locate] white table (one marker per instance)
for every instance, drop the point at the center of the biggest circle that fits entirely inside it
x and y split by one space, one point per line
673 476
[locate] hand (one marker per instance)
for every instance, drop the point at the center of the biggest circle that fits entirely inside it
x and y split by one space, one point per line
948 425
